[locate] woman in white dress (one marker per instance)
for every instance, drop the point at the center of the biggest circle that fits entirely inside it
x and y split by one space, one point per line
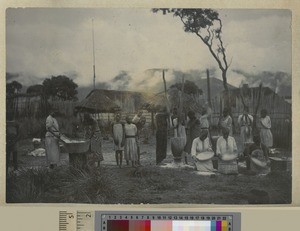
201 144
265 129
130 142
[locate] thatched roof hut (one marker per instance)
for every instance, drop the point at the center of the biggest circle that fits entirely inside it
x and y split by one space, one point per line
97 102
189 102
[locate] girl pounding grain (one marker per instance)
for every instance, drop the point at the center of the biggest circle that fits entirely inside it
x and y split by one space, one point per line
92 131
161 124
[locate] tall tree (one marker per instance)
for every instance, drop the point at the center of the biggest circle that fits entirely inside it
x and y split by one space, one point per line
13 87
206 24
189 87
60 87
36 89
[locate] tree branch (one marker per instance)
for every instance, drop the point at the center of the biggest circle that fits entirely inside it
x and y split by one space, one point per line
221 42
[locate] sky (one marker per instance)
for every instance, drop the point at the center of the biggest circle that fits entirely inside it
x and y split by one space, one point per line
41 43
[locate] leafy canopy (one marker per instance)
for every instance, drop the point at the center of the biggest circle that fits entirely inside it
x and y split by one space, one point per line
60 87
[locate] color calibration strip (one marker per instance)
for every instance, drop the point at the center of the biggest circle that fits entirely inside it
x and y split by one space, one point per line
165 222
167 225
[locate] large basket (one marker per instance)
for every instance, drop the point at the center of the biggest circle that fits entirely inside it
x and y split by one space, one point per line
227 168
279 164
76 146
204 156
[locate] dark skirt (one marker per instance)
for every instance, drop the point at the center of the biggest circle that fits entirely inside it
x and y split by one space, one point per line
161 146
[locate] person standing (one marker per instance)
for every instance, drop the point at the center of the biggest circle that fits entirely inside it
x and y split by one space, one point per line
226 147
139 120
92 132
130 130
193 130
52 140
265 129
245 122
225 121
204 123
119 139
161 124
12 137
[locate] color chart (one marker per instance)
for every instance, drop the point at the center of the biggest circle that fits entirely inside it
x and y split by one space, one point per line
167 222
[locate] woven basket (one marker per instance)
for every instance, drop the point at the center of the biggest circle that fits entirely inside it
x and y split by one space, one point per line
204 156
227 168
278 164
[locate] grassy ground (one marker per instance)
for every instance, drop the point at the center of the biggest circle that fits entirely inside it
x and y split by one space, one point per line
34 183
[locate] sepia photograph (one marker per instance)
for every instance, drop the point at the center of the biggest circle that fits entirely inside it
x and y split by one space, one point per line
148 106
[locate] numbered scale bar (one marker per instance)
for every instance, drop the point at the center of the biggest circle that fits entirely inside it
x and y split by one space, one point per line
141 221
76 221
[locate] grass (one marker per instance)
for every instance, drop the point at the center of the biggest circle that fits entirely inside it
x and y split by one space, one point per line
61 185
152 184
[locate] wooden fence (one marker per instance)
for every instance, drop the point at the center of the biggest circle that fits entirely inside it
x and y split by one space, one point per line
278 109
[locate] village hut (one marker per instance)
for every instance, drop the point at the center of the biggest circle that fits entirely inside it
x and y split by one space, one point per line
96 102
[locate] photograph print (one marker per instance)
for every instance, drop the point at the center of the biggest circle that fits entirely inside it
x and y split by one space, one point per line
148 106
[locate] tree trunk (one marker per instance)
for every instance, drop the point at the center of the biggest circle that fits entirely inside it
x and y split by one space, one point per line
226 95
208 88
227 103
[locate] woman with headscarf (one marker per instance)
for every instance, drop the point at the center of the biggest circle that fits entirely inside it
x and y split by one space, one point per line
227 153
201 145
265 129
92 132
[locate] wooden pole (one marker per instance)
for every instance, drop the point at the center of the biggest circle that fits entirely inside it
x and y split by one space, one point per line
94 67
165 87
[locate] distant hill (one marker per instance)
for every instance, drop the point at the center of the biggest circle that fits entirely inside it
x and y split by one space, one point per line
216 86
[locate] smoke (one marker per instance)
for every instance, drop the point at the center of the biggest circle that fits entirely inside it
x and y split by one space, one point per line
280 82
121 81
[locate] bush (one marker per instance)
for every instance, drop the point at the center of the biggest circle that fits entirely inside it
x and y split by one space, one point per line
61 185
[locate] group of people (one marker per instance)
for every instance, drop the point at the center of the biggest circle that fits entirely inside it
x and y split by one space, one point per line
255 144
198 140
195 135
125 137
